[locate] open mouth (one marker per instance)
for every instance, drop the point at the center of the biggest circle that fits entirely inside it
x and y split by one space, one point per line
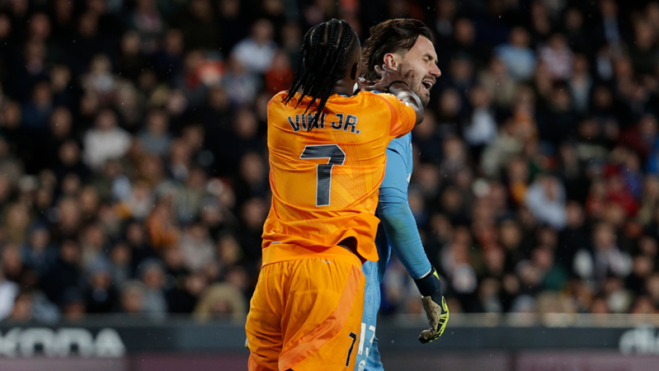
427 84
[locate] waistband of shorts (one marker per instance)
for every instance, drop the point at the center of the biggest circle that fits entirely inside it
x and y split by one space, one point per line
276 253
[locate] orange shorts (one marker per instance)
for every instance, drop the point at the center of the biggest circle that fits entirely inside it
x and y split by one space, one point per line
306 313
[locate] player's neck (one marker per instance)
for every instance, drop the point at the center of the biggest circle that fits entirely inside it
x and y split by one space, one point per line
343 87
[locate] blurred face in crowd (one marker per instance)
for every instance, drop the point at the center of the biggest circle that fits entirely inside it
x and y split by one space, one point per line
479 97
60 122
573 19
254 213
262 32
229 8
174 42
252 169
495 259
461 68
518 171
574 215
464 31
557 42
89 200
193 136
246 124
131 299
580 64
228 250
154 277
604 236
39 239
69 214
195 284
519 37
201 9
39 26
120 255
652 286
290 35
12 263
608 8
101 279
69 252
450 103
22 310
106 120
157 122
510 235
130 43
17 216
5 26
648 127
41 94
88 26
135 234
173 257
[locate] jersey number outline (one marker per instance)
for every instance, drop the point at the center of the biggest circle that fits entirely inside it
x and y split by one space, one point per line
336 156
354 338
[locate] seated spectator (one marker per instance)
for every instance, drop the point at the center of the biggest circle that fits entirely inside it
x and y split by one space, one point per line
546 200
38 253
517 56
556 54
101 295
257 52
8 293
156 139
106 141
220 301
154 304
64 273
197 247
183 297
132 298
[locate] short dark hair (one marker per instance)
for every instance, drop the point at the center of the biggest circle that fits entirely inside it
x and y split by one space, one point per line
392 36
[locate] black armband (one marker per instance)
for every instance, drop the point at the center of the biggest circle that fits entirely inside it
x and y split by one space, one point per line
430 285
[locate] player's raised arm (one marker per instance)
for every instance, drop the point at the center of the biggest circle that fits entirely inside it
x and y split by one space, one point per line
400 87
397 82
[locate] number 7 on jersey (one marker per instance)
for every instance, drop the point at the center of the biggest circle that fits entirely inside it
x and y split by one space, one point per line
336 156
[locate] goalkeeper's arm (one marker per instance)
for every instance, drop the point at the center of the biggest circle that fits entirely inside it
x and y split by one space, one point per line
403 237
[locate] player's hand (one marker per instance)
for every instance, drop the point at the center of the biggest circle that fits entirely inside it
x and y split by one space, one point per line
434 305
437 318
388 77
362 85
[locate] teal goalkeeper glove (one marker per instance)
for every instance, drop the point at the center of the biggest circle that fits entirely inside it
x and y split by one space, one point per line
434 304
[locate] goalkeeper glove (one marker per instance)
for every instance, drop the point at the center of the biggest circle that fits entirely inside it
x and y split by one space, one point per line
434 304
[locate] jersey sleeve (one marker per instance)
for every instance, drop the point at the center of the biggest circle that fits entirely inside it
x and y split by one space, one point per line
403 116
397 219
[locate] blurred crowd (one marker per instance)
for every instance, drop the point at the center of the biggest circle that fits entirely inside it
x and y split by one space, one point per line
134 174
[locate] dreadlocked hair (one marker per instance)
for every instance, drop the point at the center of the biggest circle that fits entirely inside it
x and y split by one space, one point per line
323 58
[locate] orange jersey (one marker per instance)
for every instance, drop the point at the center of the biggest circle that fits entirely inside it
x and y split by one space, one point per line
325 181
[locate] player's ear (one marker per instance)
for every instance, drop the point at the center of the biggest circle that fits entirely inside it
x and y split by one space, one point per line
391 61
354 72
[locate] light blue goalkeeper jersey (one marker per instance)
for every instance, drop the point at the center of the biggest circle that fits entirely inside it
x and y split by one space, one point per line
397 231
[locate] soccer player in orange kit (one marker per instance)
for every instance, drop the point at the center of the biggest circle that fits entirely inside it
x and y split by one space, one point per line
327 160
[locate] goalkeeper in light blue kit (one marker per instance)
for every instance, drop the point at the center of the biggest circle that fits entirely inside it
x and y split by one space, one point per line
404 44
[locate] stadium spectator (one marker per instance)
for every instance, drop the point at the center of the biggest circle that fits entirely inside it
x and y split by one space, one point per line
133 175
